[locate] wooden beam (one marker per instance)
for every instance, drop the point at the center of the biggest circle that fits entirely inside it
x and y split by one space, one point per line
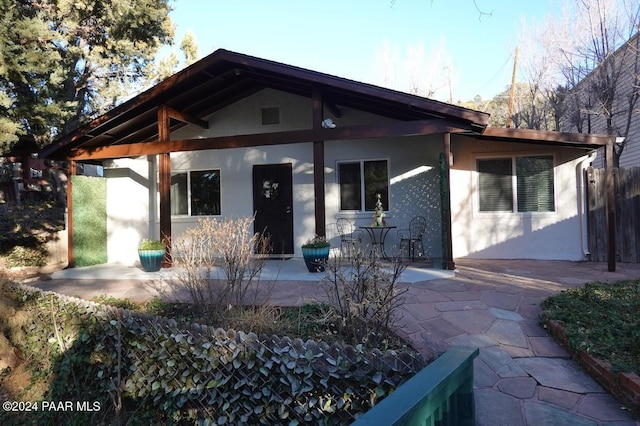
541 136
186 118
333 108
397 129
318 165
71 258
164 172
446 208
611 208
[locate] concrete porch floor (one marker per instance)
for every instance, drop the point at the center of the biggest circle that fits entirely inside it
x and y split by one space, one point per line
522 377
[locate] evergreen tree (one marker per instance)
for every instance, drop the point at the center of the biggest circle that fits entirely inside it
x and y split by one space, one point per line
63 62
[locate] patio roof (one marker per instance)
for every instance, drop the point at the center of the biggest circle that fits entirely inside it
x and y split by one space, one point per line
225 77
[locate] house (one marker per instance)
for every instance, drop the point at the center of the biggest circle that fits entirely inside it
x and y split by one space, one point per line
233 134
586 105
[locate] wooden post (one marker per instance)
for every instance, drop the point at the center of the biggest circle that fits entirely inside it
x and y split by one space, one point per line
446 208
164 171
611 207
318 166
71 259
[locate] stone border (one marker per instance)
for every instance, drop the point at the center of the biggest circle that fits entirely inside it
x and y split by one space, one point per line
625 386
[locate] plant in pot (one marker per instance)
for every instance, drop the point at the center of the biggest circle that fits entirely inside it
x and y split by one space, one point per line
151 253
316 253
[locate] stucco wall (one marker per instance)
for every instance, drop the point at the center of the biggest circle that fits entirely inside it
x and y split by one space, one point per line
128 207
413 174
552 235
414 186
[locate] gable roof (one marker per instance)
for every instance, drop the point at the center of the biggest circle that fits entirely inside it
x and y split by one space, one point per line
225 77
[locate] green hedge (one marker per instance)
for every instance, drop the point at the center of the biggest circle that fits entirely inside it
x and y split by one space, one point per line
161 372
89 220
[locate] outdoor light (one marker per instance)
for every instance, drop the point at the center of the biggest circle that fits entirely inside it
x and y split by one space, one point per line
328 123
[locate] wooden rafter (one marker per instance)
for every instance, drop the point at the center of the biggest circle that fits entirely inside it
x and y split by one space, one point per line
186 118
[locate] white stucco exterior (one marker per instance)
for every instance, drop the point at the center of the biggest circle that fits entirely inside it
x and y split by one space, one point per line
414 186
501 235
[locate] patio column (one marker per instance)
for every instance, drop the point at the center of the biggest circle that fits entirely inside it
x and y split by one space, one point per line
447 245
71 259
318 165
164 171
611 206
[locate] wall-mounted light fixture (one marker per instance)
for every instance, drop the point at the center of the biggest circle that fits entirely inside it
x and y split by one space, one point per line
328 123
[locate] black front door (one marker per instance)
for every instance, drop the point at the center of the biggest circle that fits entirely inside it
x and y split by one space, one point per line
273 205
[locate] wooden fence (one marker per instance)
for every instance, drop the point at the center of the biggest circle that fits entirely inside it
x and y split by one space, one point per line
627 196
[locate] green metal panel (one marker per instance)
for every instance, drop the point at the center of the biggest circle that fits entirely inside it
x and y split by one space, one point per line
440 394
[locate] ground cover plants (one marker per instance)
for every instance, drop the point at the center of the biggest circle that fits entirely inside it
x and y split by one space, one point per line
65 363
601 319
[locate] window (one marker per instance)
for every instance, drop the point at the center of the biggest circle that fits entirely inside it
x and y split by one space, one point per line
524 182
360 181
195 193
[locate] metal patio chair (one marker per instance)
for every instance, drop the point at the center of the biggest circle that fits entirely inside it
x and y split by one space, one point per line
413 236
350 237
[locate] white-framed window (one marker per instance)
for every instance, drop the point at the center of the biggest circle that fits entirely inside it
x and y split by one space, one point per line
516 184
195 193
360 181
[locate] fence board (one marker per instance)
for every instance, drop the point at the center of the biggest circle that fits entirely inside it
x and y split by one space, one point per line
627 196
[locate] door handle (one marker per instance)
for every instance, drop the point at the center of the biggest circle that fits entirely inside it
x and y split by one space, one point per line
288 211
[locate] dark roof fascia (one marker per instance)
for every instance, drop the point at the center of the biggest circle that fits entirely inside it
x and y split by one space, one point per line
543 137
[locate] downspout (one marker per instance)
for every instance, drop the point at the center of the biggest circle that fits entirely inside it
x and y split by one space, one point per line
582 202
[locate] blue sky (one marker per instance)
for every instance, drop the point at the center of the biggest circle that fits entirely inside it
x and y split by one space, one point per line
344 38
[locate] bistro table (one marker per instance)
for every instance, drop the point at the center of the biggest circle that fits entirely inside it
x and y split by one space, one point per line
377 239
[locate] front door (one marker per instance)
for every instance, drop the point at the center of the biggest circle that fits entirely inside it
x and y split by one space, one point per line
273 205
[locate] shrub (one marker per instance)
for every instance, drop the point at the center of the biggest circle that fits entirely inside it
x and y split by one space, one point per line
151 245
229 244
364 295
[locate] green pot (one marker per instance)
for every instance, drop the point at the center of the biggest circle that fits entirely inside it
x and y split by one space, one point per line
151 260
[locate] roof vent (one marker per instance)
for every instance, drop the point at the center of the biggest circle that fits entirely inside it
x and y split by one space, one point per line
270 115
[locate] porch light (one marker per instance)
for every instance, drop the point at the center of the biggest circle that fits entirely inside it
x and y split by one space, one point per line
328 123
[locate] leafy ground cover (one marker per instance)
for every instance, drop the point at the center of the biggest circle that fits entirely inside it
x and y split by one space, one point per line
316 321
602 319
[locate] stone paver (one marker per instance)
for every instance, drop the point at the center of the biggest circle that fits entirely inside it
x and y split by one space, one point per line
483 375
559 374
547 347
520 387
501 300
501 362
507 333
521 376
505 315
497 408
473 321
559 397
602 408
548 415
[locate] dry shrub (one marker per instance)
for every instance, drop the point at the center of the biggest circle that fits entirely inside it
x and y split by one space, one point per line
364 295
227 245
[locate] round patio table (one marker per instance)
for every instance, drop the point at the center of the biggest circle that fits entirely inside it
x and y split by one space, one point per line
377 238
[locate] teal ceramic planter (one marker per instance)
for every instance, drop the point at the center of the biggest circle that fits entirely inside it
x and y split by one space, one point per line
151 260
315 258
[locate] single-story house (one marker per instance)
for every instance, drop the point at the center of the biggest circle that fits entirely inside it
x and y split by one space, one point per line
233 135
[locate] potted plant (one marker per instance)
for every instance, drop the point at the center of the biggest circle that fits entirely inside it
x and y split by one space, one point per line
316 253
151 253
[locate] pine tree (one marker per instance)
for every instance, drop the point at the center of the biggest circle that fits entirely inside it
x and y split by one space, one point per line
63 62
